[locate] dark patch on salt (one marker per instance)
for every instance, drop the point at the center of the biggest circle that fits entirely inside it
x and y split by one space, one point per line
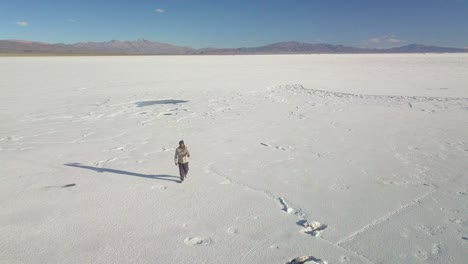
159 102
304 259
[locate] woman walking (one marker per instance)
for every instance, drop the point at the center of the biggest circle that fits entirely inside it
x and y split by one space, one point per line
181 159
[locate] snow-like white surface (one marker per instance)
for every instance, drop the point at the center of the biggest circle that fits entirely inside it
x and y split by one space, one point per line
317 158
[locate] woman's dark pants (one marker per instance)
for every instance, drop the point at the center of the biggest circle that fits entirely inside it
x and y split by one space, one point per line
183 170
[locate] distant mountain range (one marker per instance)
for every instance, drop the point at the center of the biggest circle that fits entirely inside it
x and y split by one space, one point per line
146 47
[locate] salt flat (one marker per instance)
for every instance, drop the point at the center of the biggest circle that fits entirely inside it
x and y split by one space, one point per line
374 148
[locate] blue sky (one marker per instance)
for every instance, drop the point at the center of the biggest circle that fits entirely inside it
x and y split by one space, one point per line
240 23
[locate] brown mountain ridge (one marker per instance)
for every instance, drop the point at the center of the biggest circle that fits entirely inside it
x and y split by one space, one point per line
146 47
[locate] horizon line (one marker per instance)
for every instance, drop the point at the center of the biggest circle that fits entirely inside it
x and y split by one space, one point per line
209 47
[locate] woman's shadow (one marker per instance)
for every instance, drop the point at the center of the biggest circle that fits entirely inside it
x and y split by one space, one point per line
163 177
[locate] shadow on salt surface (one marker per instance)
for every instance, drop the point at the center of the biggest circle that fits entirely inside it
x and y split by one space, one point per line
163 177
159 102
